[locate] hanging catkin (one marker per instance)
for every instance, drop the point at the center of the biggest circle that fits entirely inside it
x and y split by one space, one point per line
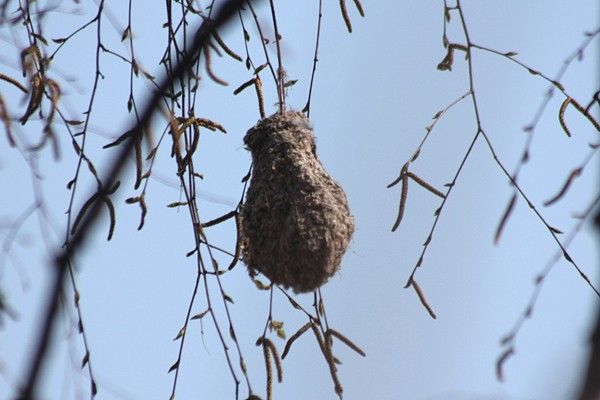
296 224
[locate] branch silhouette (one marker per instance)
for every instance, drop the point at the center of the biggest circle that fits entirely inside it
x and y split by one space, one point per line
88 222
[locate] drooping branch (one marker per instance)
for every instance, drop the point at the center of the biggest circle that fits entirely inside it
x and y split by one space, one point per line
40 348
591 385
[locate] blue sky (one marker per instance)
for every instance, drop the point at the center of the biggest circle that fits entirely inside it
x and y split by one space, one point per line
375 92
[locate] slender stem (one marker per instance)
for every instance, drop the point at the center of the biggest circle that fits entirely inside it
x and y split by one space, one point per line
89 222
315 60
280 70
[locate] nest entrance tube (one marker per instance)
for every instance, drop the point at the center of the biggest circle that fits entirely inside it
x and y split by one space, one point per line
296 223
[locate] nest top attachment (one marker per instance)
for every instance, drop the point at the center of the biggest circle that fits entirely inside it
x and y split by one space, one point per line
295 224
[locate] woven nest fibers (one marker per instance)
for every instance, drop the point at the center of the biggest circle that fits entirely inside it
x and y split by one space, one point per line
296 224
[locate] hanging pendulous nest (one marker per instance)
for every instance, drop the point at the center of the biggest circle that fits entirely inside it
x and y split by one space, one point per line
295 223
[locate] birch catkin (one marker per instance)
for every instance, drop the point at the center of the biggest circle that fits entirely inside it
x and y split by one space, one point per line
296 224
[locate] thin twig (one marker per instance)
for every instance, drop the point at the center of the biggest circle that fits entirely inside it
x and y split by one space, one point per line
315 60
61 261
280 70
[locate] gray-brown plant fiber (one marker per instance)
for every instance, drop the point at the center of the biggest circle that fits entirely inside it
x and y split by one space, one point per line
296 223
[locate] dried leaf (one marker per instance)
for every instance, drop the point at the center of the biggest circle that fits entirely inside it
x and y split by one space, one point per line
561 115
180 334
41 38
505 216
403 196
120 139
276 324
76 147
574 174
260 285
269 371
238 241
267 344
345 15
422 298
259 95
177 204
174 366
227 50
152 77
208 65
425 184
558 85
82 212
294 304
126 33
37 93
346 341
585 113
244 86
555 230
293 338
207 123
500 363
112 216
200 315
359 8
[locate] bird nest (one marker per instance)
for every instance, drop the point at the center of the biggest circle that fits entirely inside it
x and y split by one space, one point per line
295 224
